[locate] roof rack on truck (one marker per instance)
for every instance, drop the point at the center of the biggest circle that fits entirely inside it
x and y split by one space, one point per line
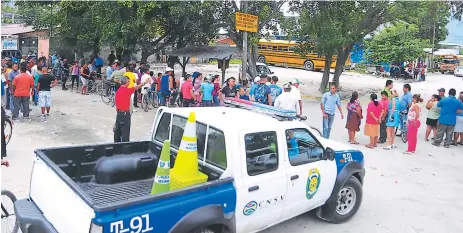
277 113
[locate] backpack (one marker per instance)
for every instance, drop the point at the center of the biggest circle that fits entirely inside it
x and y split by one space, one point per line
261 94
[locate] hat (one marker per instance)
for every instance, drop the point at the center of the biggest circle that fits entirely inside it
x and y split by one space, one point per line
295 81
441 90
168 69
286 86
195 74
257 79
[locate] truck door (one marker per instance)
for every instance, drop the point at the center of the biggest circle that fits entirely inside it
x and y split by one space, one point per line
262 192
310 177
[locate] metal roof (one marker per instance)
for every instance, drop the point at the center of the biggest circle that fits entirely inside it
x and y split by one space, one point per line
13 29
218 52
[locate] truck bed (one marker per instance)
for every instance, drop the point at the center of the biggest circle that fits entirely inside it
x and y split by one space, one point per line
109 175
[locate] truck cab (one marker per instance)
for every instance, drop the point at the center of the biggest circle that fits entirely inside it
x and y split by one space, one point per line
260 172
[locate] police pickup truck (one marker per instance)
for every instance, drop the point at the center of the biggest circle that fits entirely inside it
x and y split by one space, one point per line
261 172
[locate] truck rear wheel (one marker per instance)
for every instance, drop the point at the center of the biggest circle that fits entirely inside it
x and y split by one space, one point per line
348 200
308 65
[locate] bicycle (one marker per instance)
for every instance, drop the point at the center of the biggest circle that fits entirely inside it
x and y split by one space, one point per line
8 129
150 98
107 96
94 82
7 215
403 127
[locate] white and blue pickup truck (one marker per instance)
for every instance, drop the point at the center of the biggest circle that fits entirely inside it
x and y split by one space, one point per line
262 171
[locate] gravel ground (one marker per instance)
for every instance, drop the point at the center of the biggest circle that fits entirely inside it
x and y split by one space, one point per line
402 193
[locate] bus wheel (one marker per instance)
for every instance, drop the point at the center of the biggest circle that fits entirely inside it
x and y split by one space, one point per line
261 59
308 65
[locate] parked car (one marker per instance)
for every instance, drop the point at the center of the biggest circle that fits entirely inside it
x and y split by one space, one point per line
253 182
458 71
261 69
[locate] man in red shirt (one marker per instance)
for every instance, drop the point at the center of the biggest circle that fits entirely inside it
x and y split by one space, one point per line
123 117
186 89
23 84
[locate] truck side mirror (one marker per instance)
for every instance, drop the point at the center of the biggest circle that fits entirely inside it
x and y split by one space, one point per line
328 154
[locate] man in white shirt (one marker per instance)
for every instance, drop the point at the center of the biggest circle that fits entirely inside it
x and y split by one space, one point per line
144 77
295 91
287 100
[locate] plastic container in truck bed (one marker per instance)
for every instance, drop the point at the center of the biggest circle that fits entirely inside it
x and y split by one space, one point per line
108 175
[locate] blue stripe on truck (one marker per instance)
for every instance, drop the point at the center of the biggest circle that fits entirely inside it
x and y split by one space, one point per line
162 215
342 158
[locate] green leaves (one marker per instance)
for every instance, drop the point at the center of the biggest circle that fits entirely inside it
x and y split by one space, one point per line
396 43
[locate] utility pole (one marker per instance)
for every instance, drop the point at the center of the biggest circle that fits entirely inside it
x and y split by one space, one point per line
433 36
244 55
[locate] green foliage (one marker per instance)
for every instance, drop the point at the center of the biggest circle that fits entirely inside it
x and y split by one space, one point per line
397 43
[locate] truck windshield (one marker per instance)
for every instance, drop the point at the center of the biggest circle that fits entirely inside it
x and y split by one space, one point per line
450 61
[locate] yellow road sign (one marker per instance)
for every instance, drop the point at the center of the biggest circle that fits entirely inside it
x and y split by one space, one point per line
246 22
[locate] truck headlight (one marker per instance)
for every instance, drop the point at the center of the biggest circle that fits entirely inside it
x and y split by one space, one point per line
95 228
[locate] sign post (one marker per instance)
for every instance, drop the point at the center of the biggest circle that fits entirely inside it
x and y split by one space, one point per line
246 23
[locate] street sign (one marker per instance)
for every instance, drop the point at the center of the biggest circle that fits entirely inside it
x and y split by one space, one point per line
9 44
246 22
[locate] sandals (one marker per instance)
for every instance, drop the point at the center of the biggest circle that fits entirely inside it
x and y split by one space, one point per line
354 143
368 146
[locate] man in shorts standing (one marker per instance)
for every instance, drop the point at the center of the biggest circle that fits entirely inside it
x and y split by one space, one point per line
45 83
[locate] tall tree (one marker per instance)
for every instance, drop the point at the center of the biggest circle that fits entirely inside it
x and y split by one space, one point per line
397 43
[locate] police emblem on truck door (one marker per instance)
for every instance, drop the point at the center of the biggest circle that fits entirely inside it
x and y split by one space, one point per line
313 182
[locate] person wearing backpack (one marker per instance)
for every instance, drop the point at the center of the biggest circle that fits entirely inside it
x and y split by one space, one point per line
262 92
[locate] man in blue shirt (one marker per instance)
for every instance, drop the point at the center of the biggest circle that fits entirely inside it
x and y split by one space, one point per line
328 106
275 90
406 99
450 106
206 89
11 76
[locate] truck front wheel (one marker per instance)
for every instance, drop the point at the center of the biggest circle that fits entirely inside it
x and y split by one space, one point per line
348 200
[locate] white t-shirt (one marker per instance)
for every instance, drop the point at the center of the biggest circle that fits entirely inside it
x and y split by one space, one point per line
34 70
287 101
148 85
295 91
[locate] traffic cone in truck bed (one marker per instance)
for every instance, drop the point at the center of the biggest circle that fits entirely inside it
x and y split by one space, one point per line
185 172
161 181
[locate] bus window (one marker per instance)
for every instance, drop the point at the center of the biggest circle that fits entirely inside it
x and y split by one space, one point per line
292 48
275 48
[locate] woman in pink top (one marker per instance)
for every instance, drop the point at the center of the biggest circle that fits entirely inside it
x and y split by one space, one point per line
374 115
413 121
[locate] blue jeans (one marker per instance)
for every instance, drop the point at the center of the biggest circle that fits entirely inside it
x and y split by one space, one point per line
36 96
216 100
327 123
11 102
206 103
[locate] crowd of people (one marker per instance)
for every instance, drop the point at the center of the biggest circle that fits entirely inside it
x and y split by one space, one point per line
386 113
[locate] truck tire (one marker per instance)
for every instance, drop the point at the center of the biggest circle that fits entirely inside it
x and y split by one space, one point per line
348 200
308 65
261 59
205 230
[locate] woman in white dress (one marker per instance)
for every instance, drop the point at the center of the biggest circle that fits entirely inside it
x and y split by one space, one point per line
458 133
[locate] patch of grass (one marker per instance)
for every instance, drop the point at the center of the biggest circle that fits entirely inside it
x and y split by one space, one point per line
233 61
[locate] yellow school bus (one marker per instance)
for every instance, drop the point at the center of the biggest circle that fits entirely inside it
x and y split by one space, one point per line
282 52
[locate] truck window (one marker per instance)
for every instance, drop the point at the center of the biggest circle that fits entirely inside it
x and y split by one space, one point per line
162 131
216 153
261 152
302 147
178 124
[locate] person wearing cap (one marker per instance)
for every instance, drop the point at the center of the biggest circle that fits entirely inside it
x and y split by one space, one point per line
262 93
330 100
450 107
441 92
123 116
166 85
295 91
206 92
287 101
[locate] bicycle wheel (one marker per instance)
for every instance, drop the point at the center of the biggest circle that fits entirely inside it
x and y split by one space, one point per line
9 222
404 134
154 99
8 130
113 99
106 96
145 103
100 88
